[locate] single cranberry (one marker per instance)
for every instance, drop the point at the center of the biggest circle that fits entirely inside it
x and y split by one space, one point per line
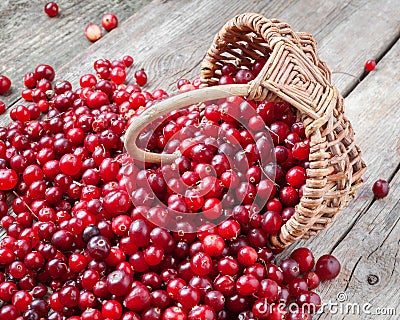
63 240
201 263
215 300
289 196
290 269
39 291
45 71
17 269
118 75
229 229
370 65
279 132
118 283
188 297
237 303
244 76
296 177
380 188
69 296
203 312
301 151
312 280
268 290
8 179
128 60
109 21
297 286
247 256
271 222
139 232
9 312
287 213
160 299
51 9
138 299
93 32
213 245
309 301
99 247
153 255
274 273
304 257
174 313
327 267
141 77
247 285
5 84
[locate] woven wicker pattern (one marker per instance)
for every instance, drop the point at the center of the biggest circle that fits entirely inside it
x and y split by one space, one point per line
294 73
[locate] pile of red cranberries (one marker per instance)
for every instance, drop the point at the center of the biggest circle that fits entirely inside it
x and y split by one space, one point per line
96 235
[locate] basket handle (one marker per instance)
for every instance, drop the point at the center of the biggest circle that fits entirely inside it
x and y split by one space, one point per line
170 104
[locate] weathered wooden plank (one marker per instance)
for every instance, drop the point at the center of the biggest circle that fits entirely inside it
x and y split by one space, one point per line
373 107
29 37
367 32
365 237
370 254
172 47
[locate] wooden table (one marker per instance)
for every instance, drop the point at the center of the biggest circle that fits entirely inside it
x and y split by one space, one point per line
170 38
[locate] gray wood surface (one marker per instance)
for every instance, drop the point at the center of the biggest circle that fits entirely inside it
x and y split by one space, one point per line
29 37
169 39
366 236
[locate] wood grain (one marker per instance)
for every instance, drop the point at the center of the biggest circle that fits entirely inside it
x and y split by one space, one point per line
29 37
173 47
370 254
169 40
365 237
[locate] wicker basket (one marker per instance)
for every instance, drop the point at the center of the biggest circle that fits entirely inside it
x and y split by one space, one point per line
293 73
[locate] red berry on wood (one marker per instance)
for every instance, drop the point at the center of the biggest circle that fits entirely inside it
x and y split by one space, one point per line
141 77
327 267
5 84
380 188
370 65
51 9
109 21
93 32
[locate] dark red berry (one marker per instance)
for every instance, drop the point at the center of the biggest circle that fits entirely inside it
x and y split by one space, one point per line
380 188
305 259
5 84
51 9
327 267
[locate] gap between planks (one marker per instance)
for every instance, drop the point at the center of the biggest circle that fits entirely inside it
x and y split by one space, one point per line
365 237
29 37
168 48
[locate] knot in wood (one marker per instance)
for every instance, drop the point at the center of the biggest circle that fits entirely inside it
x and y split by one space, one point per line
372 279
